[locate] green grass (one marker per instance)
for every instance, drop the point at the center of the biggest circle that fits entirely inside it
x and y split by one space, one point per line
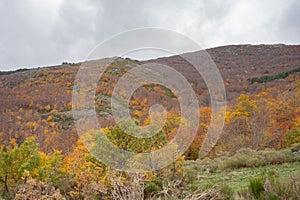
238 179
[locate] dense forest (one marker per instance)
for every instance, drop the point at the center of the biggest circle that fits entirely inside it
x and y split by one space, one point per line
42 156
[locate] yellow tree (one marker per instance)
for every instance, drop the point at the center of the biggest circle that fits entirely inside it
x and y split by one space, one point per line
247 125
87 174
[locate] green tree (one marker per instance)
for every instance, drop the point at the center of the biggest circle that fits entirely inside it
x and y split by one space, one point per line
118 136
17 163
51 170
292 137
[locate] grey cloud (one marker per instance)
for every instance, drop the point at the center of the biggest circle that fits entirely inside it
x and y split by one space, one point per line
25 35
35 33
289 26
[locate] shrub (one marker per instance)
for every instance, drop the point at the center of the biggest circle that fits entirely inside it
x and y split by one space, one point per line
227 192
251 158
265 79
153 186
243 158
256 186
295 147
292 137
267 187
271 157
33 189
190 174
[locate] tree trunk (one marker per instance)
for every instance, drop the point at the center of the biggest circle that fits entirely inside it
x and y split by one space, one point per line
6 186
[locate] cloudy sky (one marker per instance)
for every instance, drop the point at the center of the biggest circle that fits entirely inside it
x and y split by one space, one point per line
46 32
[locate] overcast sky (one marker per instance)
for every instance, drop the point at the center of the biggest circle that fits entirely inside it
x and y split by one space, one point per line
46 32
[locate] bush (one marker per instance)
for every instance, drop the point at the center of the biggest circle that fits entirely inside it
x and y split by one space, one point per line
267 187
153 186
190 174
243 158
291 137
227 192
256 186
295 147
33 189
251 158
271 157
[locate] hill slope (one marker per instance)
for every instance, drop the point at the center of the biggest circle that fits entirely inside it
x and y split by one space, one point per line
38 101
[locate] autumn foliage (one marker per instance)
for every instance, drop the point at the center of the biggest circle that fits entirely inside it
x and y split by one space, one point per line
40 148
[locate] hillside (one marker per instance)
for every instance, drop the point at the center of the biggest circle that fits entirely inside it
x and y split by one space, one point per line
38 101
